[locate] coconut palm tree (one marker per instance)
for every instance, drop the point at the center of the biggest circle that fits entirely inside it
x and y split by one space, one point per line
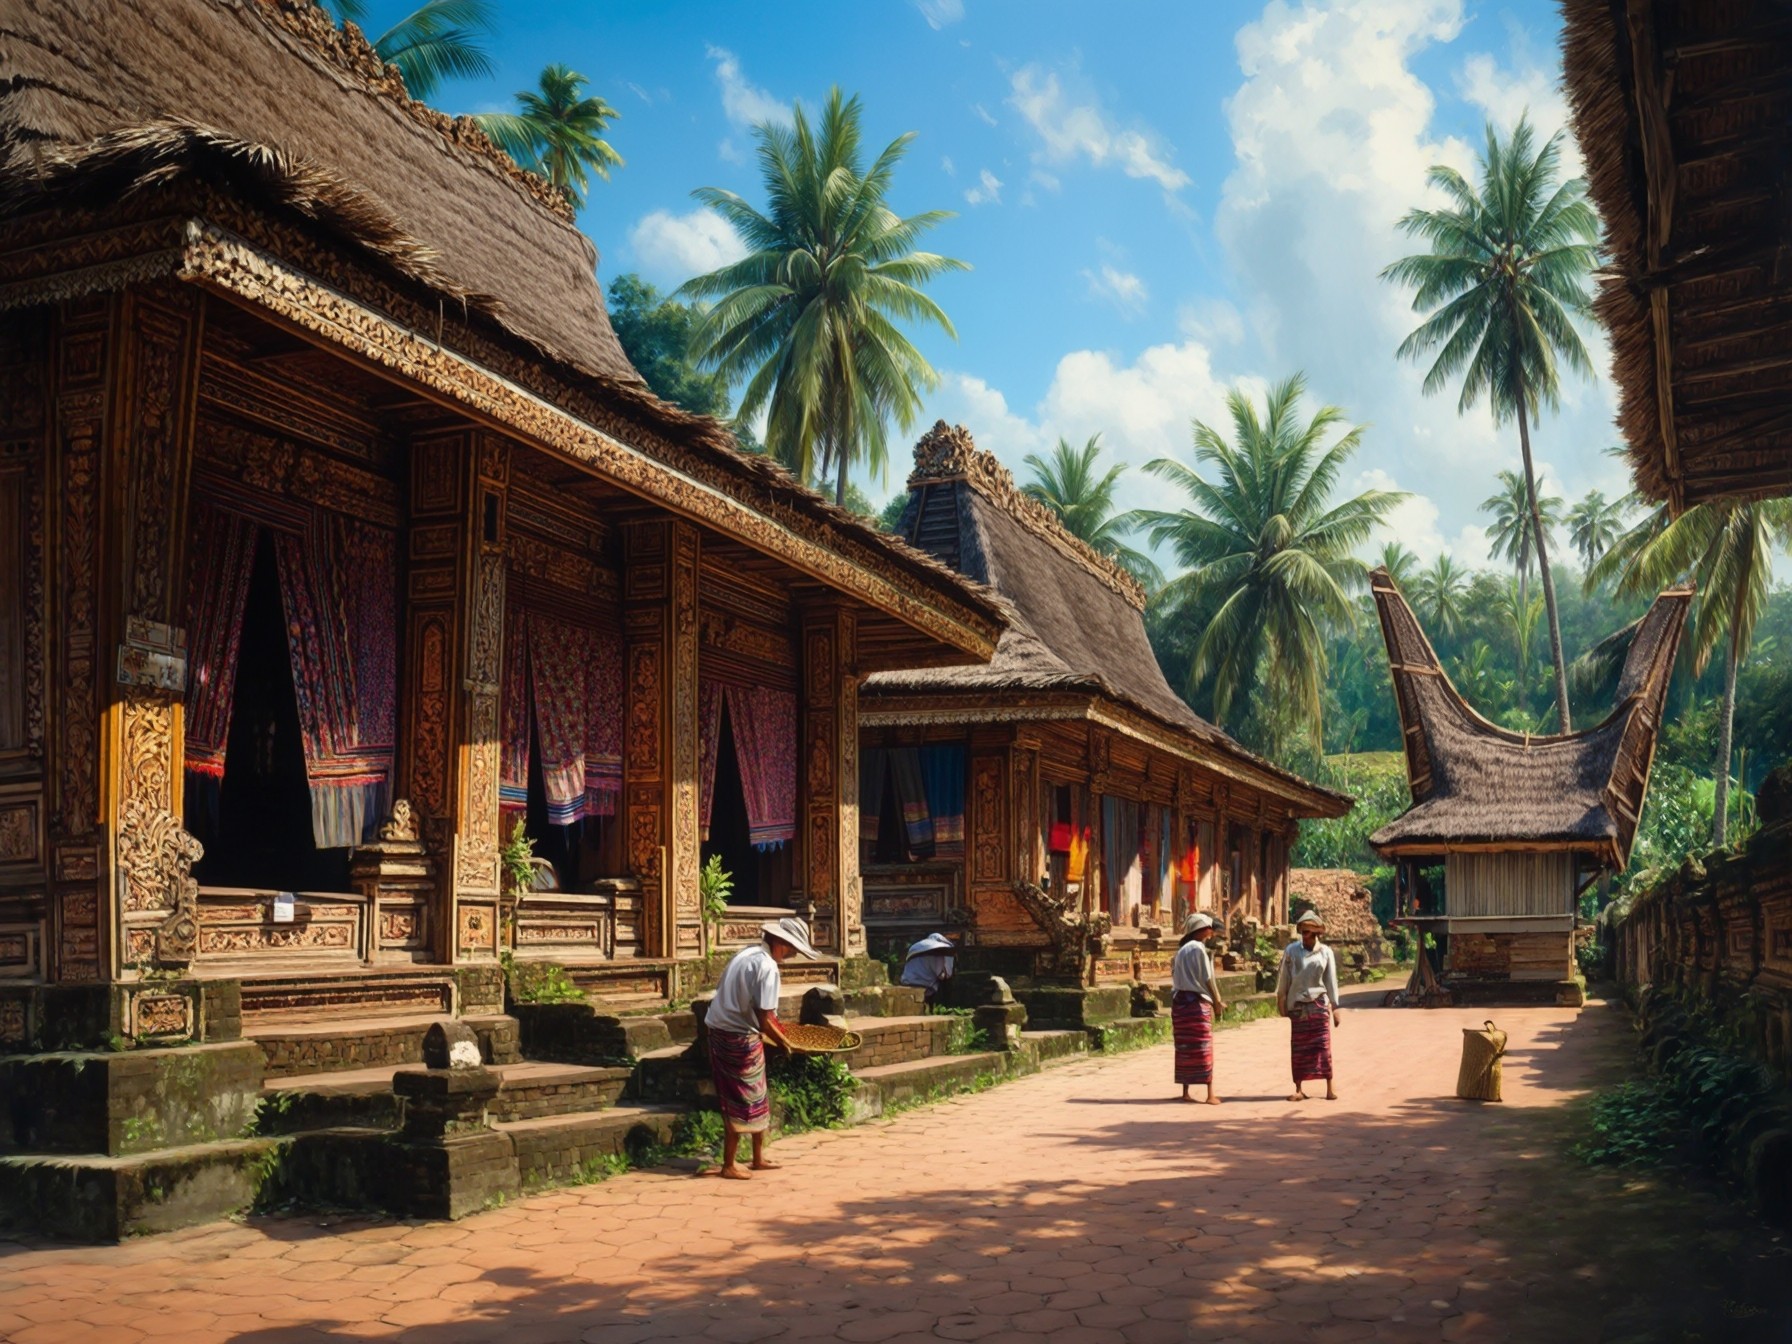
1513 533
1521 614
1071 486
809 316
435 42
1725 548
558 133
1269 549
1505 277
1401 563
1594 523
1478 679
1439 591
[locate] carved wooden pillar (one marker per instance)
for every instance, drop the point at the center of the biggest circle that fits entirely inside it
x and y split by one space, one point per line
828 783
454 634
1029 847
155 383
659 771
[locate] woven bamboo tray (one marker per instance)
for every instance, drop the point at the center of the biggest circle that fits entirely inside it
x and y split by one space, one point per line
810 1040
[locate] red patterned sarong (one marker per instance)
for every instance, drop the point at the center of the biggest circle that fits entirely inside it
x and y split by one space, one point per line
1312 1040
737 1063
1192 1017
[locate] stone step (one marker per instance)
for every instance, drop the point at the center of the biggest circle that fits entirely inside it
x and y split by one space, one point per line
571 1149
325 1045
885 1086
93 1198
364 1097
897 1040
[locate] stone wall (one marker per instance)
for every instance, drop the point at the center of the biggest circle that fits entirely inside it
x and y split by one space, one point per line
1342 899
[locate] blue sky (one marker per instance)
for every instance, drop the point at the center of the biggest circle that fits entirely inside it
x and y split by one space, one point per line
1158 200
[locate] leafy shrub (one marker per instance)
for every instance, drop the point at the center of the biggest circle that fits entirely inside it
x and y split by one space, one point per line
815 1091
538 981
715 884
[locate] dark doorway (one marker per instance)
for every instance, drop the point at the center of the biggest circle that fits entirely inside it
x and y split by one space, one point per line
760 877
262 837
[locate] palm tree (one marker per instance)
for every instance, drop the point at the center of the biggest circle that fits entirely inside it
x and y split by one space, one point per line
1506 275
1477 678
1267 548
1521 614
1514 530
1068 485
809 315
435 42
1726 548
558 133
1439 591
1594 523
1400 562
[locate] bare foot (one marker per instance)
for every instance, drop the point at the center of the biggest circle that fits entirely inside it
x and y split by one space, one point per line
735 1174
1298 1096
1185 1097
766 1164
1330 1095
1213 1101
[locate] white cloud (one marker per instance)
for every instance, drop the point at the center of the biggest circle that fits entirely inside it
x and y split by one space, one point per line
1333 131
744 103
988 190
671 248
1504 93
1121 288
727 150
1081 130
940 13
983 114
947 166
1048 181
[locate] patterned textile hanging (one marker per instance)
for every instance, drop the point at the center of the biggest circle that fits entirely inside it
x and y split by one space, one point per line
217 596
1077 868
942 774
603 724
513 723
911 797
709 750
1121 874
874 775
764 720
334 631
559 654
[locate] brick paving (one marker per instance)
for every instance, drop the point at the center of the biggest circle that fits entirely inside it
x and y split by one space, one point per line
1079 1206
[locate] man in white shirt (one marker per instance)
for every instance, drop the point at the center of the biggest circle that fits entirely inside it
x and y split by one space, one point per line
742 1014
929 964
1194 1004
1307 993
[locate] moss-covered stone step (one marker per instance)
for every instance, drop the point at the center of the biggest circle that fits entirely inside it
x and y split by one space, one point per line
129 1101
896 1040
324 1045
574 1149
93 1198
364 1098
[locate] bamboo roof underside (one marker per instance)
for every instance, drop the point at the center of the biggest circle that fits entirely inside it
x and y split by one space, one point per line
1683 110
1075 616
1476 785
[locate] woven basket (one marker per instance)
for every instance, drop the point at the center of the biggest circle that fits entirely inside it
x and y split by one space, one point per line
814 1040
1479 1077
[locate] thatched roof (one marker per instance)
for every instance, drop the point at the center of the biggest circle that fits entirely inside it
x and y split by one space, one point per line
1477 785
1075 617
1683 109
268 102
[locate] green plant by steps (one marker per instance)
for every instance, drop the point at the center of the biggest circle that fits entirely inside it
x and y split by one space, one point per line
715 884
519 861
538 981
814 1091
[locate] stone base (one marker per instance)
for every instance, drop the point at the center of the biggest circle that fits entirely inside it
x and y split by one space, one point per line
1473 992
459 1175
131 1101
1059 1006
91 1198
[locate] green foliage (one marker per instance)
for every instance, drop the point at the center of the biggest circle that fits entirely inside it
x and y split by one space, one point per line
538 981
714 886
814 1091
1378 784
889 518
964 1036
655 333
557 131
517 858
437 41
1071 485
808 318
1685 1111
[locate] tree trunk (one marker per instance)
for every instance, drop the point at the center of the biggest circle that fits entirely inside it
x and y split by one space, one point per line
1720 819
1543 570
840 483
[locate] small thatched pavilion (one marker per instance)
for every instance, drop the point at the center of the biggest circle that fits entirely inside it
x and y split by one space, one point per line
1506 830
1683 109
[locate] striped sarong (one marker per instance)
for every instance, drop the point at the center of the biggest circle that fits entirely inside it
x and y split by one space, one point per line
737 1063
1192 1017
1311 1043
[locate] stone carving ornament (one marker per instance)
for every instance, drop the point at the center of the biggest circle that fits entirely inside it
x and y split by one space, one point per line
1077 939
156 854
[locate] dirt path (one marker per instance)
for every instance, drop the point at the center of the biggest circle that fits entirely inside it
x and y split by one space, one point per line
1079 1206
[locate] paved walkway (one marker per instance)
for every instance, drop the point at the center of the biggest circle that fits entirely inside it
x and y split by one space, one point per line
1079 1206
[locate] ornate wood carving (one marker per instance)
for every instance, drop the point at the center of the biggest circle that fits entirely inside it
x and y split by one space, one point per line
156 855
160 367
830 777
685 840
989 843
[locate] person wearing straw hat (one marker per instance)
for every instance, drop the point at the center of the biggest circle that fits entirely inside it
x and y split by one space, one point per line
929 965
741 1017
1194 1004
1307 994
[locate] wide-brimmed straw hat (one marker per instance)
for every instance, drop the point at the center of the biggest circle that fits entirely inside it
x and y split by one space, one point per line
1312 917
794 931
1197 922
931 945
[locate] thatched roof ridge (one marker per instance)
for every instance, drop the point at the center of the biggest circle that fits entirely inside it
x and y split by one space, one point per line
267 102
1475 784
1683 110
1070 627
